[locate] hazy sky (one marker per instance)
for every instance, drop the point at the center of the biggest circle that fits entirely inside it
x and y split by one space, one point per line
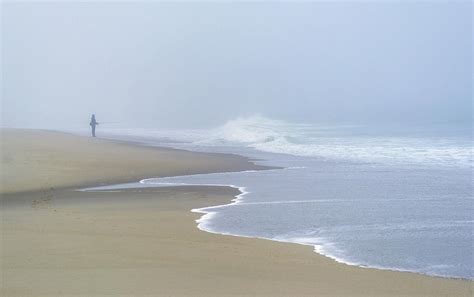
196 65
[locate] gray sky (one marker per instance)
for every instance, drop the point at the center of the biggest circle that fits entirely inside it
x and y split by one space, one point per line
188 65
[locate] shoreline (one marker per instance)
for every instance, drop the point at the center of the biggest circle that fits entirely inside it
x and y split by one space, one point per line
144 242
208 215
151 232
107 162
316 249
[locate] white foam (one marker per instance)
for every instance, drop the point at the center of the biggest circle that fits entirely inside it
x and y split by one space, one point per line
204 223
320 245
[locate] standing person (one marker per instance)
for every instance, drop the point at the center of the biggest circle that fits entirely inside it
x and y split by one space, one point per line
93 123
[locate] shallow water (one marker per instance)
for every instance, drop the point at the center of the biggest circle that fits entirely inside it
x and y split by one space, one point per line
399 202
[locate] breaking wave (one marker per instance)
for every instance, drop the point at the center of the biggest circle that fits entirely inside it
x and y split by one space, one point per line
340 142
347 142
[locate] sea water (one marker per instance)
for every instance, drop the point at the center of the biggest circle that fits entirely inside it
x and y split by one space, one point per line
385 198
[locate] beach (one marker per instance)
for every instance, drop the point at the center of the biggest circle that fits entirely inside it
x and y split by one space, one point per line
57 241
45 160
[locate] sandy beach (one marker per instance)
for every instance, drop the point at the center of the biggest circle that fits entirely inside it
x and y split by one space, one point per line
44 160
56 241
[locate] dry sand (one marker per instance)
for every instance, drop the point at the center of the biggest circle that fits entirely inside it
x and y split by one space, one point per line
145 243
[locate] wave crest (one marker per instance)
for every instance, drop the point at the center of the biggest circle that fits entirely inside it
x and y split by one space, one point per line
337 142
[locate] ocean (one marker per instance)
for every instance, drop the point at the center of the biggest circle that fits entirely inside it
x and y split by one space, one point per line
389 198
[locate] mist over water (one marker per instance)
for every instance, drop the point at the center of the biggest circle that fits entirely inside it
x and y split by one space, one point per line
437 145
398 199
188 65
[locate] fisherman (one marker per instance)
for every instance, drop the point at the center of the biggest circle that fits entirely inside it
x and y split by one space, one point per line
93 123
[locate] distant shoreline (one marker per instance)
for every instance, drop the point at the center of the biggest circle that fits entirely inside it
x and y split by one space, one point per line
62 160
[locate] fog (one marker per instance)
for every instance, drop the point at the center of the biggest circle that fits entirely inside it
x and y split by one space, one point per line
191 65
